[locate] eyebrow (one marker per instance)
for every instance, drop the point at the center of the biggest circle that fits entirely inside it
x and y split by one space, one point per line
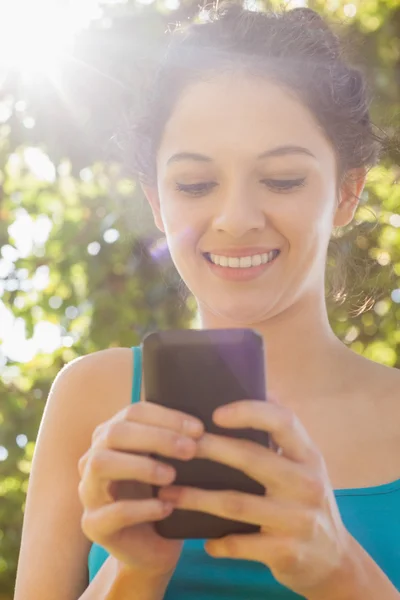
278 151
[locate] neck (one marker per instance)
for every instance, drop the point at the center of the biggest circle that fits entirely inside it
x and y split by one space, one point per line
305 361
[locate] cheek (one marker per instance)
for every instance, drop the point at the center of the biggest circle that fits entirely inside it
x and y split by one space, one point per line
183 228
172 219
314 213
307 226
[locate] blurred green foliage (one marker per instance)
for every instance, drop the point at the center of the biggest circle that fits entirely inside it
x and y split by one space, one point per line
95 275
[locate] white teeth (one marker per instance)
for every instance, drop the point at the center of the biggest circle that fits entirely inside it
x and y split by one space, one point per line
234 262
243 262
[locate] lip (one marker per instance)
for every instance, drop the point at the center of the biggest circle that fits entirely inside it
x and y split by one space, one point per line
241 252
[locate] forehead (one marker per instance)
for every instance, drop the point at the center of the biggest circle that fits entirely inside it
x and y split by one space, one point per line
217 114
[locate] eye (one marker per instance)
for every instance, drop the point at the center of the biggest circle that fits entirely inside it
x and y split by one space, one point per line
280 185
195 189
284 185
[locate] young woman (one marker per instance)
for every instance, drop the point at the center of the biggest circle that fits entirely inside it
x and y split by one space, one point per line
255 144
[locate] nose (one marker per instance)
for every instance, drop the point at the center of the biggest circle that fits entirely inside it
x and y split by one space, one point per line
237 213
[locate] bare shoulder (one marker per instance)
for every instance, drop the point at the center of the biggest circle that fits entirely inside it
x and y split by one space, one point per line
88 391
383 378
105 377
381 385
101 360
387 386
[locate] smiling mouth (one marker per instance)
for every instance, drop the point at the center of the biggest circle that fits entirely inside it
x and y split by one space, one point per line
243 262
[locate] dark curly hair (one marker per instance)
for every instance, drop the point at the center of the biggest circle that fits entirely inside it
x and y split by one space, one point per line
295 48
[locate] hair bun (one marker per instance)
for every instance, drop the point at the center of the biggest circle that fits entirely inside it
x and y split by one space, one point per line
312 20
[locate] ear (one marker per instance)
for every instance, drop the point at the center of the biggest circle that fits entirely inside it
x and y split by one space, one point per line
151 194
349 194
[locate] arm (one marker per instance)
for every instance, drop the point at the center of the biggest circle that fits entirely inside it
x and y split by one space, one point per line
359 579
53 554
115 581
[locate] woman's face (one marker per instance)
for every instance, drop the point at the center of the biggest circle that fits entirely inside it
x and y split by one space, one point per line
261 186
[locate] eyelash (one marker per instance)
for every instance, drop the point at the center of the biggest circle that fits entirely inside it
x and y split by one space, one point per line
286 185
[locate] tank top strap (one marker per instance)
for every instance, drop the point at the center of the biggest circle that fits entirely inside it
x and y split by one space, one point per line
137 374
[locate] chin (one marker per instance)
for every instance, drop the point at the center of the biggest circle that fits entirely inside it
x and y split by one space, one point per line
239 314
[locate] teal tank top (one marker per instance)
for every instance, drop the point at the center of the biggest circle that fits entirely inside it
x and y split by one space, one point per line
371 515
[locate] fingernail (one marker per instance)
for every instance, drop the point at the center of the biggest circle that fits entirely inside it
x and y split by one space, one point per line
192 427
186 446
164 473
167 507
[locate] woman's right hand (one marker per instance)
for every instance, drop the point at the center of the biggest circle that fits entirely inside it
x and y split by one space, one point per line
117 460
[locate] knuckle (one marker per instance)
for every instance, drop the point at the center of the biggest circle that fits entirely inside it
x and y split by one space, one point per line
136 411
287 420
287 557
81 491
321 464
81 464
315 491
87 525
97 462
113 434
315 458
98 432
308 524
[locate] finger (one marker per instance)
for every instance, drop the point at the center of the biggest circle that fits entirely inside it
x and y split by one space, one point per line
280 554
150 413
82 463
108 465
137 437
277 473
273 517
284 426
97 525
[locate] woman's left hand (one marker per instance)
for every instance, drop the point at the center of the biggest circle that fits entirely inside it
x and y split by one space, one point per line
302 538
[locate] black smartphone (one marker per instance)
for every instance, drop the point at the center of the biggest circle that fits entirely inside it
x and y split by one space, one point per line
195 371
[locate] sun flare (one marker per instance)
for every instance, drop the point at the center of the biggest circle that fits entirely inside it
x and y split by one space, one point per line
35 35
